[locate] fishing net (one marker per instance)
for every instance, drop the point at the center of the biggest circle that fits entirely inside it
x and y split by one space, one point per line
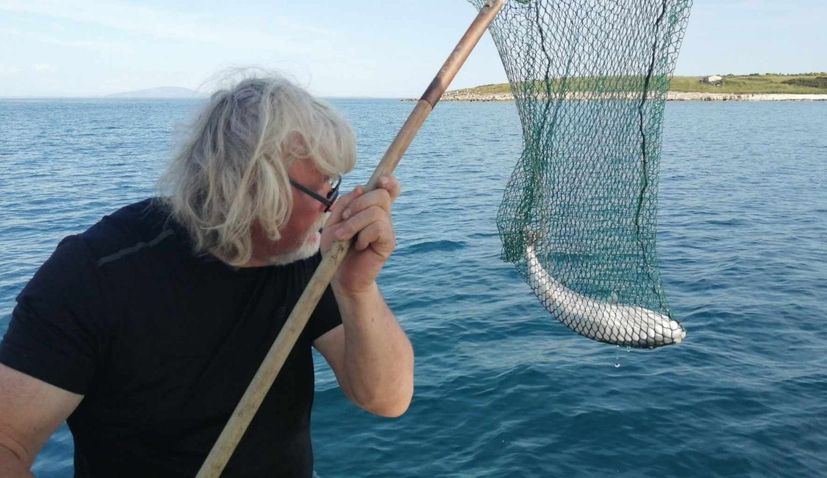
579 213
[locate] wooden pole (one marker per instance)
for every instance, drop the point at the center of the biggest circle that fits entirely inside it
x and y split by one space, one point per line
270 367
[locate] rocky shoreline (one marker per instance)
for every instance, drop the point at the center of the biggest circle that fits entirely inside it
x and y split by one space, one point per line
678 96
671 96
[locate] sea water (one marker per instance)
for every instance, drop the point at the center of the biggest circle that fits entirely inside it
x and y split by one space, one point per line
502 389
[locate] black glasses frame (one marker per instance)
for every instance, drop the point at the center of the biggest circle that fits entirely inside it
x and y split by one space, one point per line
328 200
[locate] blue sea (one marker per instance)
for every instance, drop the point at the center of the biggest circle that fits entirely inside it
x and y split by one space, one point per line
502 388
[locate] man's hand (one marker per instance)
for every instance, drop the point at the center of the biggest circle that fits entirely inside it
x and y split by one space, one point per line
369 353
365 216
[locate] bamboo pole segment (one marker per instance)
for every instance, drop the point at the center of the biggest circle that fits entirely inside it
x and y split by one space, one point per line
270 367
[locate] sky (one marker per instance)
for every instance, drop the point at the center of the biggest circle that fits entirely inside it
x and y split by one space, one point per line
353 48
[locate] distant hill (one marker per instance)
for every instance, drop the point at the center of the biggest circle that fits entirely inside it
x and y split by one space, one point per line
161 92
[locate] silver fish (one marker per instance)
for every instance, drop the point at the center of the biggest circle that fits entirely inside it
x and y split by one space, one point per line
619 324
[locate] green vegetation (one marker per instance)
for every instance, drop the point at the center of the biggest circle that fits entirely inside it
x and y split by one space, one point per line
493 89
756 83
615 84
733 84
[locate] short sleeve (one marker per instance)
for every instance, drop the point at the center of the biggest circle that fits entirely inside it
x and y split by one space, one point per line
326 316
55 333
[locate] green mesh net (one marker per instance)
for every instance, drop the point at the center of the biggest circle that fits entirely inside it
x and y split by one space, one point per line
579 213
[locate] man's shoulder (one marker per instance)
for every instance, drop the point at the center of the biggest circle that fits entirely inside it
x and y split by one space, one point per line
128 230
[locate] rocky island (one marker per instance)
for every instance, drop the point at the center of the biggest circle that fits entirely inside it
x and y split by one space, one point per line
753 87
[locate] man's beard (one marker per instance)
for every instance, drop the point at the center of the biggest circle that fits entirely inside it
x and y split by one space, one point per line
307 249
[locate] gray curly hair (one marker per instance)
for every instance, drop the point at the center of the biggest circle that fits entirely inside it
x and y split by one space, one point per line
231 171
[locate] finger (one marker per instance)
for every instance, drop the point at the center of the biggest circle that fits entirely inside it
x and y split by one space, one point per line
388 184
391 185
376 198
342 204
361 220
378 236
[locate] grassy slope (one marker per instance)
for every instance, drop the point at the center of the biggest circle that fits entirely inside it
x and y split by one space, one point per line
768 83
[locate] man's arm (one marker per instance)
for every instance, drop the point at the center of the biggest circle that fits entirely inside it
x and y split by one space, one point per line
369 353
30 411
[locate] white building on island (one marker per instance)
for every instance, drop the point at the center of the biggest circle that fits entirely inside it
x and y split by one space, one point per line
713 80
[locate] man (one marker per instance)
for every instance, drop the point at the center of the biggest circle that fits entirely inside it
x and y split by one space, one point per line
144 331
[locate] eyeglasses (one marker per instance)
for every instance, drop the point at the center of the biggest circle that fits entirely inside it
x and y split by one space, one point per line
326 200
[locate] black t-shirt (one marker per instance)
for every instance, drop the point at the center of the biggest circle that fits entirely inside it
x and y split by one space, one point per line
162 344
